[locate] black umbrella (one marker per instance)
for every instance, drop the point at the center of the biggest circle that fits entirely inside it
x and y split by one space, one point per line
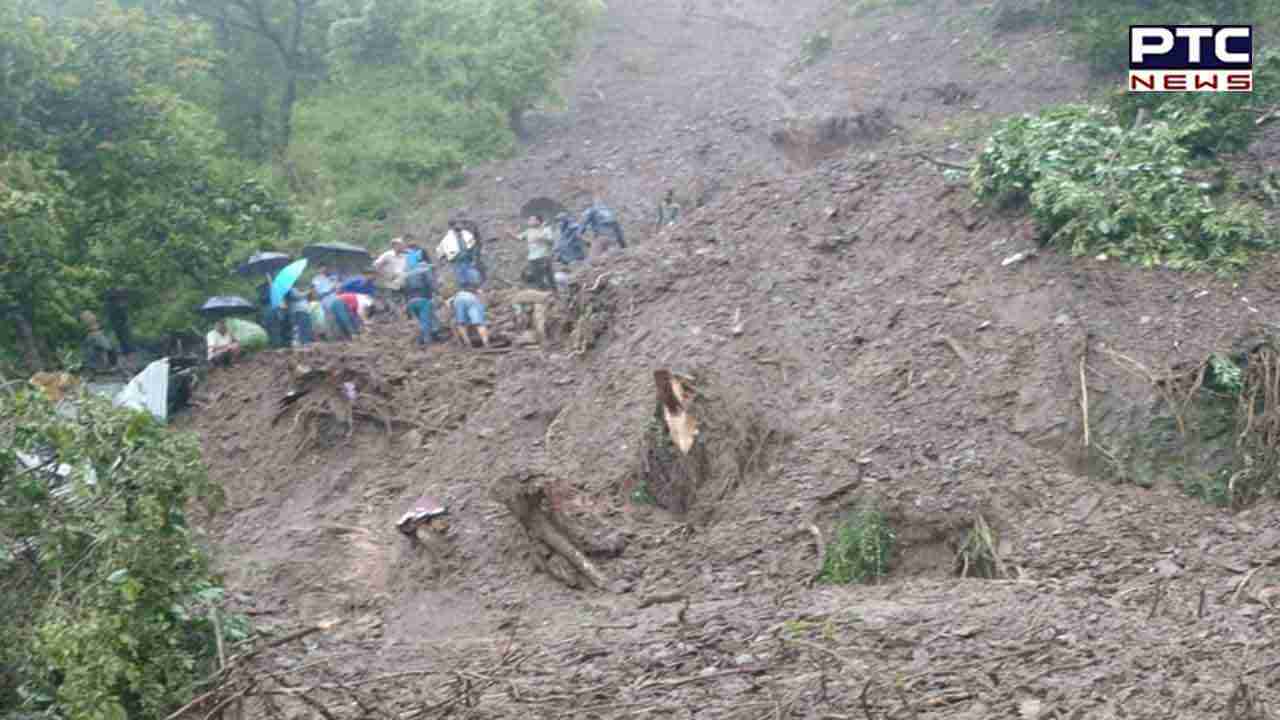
264 263
341 254
544 206
223 306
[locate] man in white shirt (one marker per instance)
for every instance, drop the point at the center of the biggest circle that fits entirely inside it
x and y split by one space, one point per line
457 247
391 266
223 347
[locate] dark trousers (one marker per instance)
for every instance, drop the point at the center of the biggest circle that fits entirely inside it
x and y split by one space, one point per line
539 274
302 326
120 326
421 310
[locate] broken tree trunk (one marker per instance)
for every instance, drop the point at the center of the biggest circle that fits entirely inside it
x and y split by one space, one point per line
525 501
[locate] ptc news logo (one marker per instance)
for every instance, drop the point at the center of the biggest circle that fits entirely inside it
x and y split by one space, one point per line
1191 58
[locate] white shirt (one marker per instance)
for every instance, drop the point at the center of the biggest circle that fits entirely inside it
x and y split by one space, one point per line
391 264
449 247
217 341
363 303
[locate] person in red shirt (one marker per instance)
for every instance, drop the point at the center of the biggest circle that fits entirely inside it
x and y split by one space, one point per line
343 310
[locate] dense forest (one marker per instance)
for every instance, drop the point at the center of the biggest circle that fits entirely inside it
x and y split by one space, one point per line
151 145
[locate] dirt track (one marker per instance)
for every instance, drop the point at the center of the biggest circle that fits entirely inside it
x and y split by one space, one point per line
884 345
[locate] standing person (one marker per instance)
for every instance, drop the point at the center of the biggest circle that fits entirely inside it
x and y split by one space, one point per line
223 349
319 322
300 316
668 209
458 249
477 250
468 312
601 220
97 350
568 247
391 266
323 282
414 255
341 315
537 236
118 318
274 319
419 287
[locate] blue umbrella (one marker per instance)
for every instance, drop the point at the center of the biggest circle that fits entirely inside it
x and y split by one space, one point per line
284 281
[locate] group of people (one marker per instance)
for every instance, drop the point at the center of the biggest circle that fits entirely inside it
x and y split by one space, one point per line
337 307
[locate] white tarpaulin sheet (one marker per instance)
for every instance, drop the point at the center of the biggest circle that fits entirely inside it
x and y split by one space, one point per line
148 390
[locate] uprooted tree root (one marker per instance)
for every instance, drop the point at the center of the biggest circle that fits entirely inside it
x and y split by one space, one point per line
1252 379
1258 422
558 548
726 442
326 401
590 312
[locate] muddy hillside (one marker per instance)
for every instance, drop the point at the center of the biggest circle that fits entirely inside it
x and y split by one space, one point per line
639 506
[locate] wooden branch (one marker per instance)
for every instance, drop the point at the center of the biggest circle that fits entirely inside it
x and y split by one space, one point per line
1084 400
526 504
956 348
813 530
943 163
696 678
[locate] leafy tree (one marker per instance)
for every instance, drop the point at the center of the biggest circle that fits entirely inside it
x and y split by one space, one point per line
1095 186
108 177
294 31
105 591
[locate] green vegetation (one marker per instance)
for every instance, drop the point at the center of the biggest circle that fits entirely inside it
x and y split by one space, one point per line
815 47
104 594
1096 186
978 555
1099 29
861 550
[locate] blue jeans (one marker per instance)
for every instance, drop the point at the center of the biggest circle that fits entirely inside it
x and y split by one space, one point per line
466 274
420 308
302 326
467 312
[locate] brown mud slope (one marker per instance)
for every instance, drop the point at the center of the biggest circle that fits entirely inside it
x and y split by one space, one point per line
854 336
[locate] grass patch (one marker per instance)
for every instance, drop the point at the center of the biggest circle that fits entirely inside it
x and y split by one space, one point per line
861 551
978 556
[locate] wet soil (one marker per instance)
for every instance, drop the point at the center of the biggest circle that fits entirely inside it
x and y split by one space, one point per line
858 303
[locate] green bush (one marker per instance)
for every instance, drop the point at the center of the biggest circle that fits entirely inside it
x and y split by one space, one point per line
1095 186
1229 123
104 592
861 550
371 141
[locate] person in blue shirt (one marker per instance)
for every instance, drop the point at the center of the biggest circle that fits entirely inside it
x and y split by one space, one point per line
419 287
324 282
600 220
569 248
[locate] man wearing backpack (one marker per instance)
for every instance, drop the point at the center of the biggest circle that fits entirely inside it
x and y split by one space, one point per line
419 287
459 248
600 219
